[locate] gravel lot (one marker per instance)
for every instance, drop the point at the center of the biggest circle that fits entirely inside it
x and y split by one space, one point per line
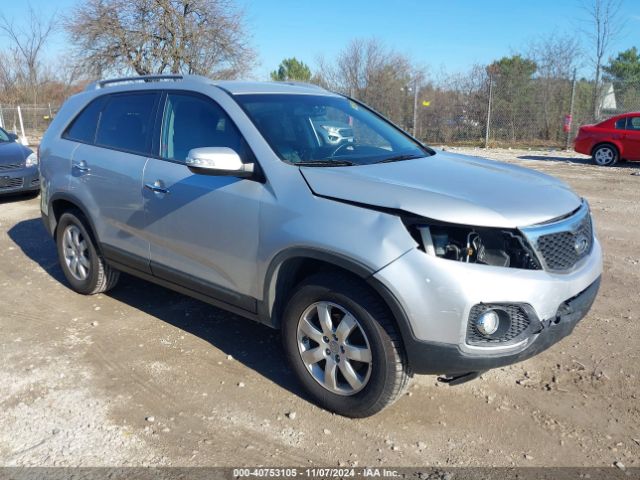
145 376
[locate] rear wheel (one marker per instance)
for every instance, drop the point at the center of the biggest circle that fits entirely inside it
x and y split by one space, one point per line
343 346
605 155
82 265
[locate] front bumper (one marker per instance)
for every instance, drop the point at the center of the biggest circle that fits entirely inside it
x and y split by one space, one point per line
25 179
437 295
435 358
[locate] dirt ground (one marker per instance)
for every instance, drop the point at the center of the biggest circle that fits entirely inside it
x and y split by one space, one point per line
144 376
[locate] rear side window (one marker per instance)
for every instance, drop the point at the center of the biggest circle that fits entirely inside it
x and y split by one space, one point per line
126 122
83 128
620 124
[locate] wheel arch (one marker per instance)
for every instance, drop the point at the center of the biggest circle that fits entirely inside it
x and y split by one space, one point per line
613 143
290 267
63 202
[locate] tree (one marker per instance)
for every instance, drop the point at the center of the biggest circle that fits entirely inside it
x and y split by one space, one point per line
22 65
625 67
624 72
512 77
605 26
205 37
369 71
557 57
291 69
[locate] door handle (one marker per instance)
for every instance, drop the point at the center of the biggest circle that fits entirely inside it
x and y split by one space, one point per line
156 187
81 166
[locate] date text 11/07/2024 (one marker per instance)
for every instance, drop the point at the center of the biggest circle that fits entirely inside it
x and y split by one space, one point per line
315 472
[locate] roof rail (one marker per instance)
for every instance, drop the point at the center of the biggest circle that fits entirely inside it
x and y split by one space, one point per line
297 83
141 78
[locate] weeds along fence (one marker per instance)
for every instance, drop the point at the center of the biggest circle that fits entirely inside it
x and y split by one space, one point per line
534 113
27 121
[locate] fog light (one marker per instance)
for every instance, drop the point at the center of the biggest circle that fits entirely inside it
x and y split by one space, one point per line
488 322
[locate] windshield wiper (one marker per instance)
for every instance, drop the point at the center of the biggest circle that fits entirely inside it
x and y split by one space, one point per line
325 163
398 158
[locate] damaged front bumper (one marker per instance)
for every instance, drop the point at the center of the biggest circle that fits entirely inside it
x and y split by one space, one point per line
437 297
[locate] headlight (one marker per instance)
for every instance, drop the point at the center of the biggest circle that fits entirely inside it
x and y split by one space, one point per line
32 160
487 246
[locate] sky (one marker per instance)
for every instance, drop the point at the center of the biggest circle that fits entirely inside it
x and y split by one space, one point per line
441 35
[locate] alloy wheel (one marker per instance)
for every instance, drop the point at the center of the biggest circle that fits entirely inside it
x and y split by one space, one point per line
605 156
76 252
334 348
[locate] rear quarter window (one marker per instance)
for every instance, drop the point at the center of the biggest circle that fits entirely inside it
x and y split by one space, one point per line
620 124
83 127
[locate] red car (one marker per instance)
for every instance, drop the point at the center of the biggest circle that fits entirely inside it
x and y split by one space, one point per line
609 141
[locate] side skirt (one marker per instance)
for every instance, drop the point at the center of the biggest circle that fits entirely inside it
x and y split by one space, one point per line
209 296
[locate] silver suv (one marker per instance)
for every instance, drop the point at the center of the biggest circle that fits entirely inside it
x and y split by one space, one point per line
377 258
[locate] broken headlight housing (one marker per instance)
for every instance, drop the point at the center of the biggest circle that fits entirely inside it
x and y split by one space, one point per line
498 247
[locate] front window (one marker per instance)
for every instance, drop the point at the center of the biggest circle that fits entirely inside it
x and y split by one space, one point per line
192 121
327 131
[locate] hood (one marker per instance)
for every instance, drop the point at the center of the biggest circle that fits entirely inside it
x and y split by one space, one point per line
12 153
451 188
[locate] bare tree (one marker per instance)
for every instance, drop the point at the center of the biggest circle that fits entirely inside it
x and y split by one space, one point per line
369 71
557 57
27 40
204 37
605 25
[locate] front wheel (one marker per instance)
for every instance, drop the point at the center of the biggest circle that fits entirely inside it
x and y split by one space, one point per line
605 155
343 345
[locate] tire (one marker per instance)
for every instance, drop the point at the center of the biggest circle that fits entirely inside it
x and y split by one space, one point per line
381 373
605 155
89 274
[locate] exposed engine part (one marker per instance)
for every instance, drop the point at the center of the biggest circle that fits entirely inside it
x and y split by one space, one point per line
488 246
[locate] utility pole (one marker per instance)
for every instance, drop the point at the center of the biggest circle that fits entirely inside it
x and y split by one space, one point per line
571 106
487 130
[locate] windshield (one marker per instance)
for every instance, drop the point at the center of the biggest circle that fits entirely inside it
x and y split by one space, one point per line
319 130
4 136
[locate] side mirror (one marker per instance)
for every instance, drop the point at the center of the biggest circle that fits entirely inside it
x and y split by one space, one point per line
13 137
218 161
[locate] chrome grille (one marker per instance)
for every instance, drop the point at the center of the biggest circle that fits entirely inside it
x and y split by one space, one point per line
561 250
562 245
11 166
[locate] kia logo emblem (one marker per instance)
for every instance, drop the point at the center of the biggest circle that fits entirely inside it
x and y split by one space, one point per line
581 244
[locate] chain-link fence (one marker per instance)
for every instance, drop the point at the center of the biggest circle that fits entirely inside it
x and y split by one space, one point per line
27 121
490 112
533 113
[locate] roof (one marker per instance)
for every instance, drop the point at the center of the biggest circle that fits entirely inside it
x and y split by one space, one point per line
235 87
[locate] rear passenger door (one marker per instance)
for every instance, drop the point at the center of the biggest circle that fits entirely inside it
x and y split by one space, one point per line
107 174
202 229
